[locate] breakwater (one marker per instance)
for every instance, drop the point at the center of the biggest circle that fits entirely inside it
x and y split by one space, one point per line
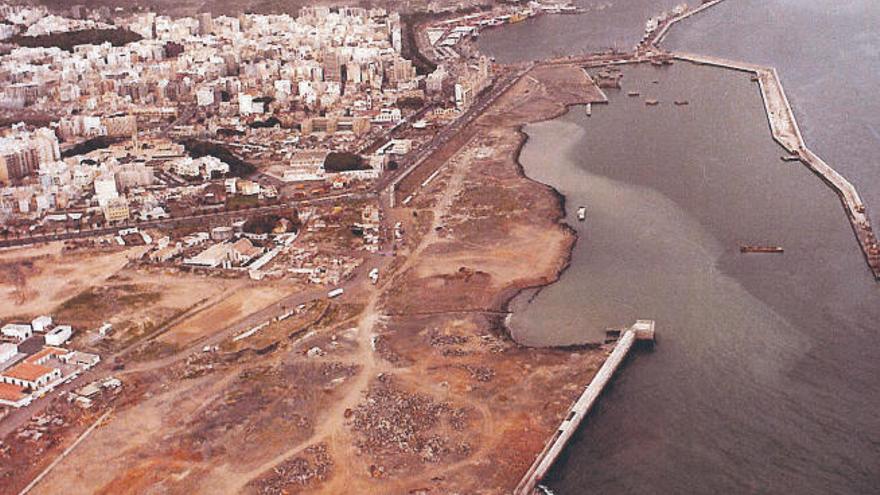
785 131
642 330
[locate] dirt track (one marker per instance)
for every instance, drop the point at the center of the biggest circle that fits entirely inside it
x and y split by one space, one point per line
411 386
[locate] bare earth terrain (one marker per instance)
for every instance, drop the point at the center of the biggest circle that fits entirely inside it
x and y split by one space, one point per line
408 386
34 280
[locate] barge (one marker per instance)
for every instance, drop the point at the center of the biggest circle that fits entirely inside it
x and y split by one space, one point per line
761 249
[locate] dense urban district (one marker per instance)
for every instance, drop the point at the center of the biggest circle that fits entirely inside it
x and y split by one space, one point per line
272 253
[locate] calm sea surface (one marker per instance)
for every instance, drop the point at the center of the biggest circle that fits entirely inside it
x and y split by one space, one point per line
765 375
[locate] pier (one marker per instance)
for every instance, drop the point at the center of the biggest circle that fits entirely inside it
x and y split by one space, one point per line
664 30
642 330
785 131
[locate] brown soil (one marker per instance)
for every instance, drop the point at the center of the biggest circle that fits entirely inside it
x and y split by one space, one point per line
33 280
233 307
410 386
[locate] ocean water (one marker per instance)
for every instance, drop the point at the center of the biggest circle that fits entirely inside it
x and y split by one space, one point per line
764 376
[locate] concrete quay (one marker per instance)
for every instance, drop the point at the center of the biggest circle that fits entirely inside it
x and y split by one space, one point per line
664 30
528 485
785 131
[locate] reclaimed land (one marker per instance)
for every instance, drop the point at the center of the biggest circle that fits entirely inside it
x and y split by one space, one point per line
409 386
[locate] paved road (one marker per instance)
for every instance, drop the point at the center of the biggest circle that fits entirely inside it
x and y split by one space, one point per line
447 133
176 221
407 166
18 417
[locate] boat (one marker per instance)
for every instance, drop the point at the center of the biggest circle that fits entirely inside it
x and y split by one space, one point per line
651 102
517 17
790 158
633 93
761 249
545 490
589 109
582 213
681 102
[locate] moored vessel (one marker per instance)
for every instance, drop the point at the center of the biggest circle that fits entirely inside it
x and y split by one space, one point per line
760 249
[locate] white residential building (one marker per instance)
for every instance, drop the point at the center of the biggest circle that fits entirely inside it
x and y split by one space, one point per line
18 331
7 352
105 189
41 323
59 335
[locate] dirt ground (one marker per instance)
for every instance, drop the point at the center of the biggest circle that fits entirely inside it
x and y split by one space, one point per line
409 386
33 280
234 306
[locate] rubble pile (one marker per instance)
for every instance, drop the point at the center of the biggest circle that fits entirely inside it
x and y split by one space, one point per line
480 373
392 421
449 344
40 425
314 465
384 350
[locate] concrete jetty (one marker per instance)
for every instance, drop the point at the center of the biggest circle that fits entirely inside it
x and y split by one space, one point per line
664 29
642 330
786 132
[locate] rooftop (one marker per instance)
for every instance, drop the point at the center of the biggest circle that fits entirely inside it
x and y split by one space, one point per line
27 371
12 393
47 351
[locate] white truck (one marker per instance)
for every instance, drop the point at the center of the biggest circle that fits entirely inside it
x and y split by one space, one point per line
374 275
335 293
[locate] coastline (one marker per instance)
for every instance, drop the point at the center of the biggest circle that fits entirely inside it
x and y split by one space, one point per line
500 233
563 258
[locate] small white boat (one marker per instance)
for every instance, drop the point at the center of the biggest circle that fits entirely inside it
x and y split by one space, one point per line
582 213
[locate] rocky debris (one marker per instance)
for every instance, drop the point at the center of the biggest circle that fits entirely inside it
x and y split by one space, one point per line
384 350
458 420
197 365
394 422
455 352
314 465
449 343
480 373
40 425
338 370
438 339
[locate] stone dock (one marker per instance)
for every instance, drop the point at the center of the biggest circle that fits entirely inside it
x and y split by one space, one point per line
664 29
642 330
783 127
785 131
